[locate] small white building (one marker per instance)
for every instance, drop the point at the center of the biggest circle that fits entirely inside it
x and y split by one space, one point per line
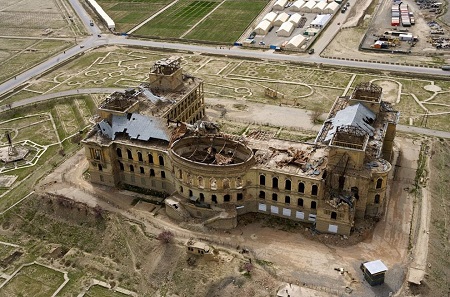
311 31
320 21
296 41
263 27
279 5
281 18
295 18
297 5
331 8
271 17
308 6
319 7
285 29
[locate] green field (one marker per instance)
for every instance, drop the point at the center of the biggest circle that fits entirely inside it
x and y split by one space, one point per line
225 24
129 13
33 280
228 21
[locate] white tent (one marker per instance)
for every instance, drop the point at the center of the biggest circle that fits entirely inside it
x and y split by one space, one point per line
320 21
295 18
271 16
263 27
296 41
279 5
308 6
297 5
281 18
319 7
331 8
285 29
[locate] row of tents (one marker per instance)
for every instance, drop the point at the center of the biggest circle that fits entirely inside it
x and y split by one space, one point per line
287 23
310 6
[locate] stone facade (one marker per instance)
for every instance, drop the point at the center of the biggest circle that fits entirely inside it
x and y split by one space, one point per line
341 177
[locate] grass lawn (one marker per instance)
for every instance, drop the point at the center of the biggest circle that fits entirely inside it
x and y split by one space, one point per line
130 13
227 23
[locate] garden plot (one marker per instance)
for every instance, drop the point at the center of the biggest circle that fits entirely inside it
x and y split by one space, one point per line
99 291
17 55
128 14
38 17
33 280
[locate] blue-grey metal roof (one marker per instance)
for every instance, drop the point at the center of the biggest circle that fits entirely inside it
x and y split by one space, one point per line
150 96
136 126
375 267
356 115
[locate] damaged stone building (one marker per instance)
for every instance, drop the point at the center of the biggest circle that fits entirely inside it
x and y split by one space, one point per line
152 137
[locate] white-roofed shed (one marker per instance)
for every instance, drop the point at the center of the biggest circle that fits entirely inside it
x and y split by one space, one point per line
281 18
319 7
296 41
263 27
308 6
297 5
331 8
105 17
320 21
285 29
271 16
279 5
295 18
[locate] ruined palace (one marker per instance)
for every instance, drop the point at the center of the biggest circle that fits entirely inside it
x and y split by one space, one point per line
152 137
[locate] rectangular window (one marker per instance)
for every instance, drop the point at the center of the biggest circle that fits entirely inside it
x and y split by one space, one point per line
312 217
262 207
300 215
332 228
286 212
274 209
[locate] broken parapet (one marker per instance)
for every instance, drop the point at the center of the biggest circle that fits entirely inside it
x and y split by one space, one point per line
175 210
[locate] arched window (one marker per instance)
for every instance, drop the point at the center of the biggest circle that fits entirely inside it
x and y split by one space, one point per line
275 182
287 185
377 199
313 205
180 174
190 193
121 166
238 183
214 198
152 172
119 152
142 170
140 157
150 158
226 183
131 168
100 167
379 183
161 160
226 198
287 199
262 180
181 189
202 197
200 182
314 190
274 197
333 215
262 194
213 183
240 196
129 154
163 174
301 187
300 202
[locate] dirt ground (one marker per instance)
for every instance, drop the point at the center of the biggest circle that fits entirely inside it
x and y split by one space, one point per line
288 254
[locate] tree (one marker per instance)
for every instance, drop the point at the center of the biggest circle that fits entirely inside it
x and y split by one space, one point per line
165 236
248 267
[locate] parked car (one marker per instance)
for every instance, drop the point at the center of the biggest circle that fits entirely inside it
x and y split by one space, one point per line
311 51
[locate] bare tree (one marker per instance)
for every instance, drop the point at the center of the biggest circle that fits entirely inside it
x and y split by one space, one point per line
165 236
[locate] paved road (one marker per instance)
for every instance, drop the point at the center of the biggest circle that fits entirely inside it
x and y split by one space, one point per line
94 41
259 113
